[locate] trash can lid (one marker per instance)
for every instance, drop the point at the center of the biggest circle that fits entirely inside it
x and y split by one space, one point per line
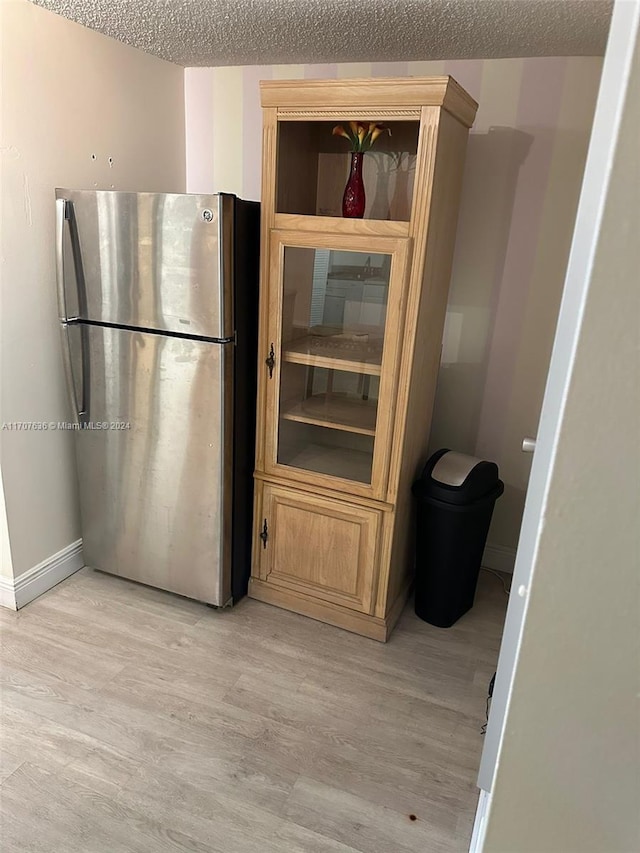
458 478
453 468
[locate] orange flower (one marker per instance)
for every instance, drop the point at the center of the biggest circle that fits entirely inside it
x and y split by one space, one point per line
361 136
377 130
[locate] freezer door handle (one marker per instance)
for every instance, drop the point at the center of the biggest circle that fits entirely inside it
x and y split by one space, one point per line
61 218
63 215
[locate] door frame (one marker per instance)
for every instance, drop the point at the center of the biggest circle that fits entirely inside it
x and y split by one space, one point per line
602 149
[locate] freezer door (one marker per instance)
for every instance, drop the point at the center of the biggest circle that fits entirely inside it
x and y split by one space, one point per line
154 456
147 260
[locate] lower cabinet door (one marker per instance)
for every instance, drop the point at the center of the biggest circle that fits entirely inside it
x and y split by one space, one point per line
324 548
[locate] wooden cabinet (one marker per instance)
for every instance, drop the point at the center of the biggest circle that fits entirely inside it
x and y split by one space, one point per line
351 319
320 547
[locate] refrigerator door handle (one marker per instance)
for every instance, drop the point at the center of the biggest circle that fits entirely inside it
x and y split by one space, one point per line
61 218
71 385
66 214
79 414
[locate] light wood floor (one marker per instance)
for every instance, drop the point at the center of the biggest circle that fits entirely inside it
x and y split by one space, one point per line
137 721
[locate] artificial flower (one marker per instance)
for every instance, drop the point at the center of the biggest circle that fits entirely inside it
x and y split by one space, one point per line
360 135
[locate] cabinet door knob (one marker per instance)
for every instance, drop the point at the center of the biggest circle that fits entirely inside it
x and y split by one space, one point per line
270 361
264 535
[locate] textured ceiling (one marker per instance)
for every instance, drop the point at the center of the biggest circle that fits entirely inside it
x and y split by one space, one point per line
256 32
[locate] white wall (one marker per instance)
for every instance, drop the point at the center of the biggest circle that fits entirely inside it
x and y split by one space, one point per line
7 591
68 93
568 770
6 566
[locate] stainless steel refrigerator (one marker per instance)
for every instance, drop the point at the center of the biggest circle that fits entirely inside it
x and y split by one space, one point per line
158 300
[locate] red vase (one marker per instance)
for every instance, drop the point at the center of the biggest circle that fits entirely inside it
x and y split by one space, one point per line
353 200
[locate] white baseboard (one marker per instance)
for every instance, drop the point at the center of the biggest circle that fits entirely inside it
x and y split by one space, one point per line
500 558
7 594
41 578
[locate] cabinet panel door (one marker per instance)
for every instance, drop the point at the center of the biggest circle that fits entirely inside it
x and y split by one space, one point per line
320 547
336 307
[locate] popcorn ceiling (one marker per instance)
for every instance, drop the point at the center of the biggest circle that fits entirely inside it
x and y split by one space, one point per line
266 32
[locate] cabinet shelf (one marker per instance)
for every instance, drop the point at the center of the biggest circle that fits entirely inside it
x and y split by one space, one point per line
347 464
347 356
319 224
335 411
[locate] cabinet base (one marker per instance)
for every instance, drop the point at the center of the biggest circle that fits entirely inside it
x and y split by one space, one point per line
358 623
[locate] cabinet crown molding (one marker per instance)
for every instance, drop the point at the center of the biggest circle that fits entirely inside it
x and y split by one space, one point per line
392 95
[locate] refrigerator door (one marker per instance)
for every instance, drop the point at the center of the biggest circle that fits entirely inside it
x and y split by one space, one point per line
154 453
147 260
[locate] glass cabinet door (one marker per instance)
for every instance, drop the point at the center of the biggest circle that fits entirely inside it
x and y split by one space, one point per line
334 348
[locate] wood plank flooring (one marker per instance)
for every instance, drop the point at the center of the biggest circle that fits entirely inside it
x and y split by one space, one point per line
137 721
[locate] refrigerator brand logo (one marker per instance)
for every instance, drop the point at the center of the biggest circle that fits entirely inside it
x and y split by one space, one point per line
207 215
46 426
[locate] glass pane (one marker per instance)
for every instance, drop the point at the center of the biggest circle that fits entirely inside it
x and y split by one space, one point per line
334 314
325 451
335 307
328 421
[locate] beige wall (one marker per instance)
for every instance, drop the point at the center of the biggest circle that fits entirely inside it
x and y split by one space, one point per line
568 773
69 93
517 215
6 567
524 168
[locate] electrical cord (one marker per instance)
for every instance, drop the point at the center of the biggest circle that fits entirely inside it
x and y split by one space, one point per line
500 578
483 730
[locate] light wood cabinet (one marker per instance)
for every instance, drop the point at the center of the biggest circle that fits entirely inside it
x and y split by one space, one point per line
351 319
322 547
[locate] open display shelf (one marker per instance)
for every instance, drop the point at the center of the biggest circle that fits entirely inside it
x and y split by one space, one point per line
313 168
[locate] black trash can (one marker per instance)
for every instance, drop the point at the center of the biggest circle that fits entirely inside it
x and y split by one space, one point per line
456 495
